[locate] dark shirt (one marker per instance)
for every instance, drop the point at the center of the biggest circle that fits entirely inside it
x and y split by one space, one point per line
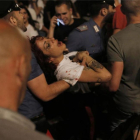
31 106
61 32
87 37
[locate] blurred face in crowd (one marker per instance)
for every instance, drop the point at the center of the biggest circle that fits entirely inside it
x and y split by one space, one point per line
64 13
25 15
51 47
19 20
109 13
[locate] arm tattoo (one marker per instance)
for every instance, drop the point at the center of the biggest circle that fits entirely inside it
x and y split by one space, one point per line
95 64
87 68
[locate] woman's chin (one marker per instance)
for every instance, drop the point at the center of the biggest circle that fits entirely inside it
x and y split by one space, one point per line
65 51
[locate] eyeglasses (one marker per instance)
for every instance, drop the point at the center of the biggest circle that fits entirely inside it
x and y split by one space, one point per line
14 8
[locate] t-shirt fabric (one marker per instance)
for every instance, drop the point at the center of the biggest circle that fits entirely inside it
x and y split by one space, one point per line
31 106
125 47
68 71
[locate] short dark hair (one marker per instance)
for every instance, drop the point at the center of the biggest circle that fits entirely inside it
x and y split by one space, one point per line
67 2
95 8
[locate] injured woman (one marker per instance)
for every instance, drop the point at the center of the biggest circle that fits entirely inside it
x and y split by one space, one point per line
83 68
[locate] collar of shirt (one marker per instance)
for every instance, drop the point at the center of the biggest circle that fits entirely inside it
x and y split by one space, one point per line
16 118
92 24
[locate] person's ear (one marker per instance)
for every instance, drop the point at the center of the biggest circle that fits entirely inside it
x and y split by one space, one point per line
71 11
13 21
103 11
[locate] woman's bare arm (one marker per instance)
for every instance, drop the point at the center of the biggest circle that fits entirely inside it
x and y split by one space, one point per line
94 71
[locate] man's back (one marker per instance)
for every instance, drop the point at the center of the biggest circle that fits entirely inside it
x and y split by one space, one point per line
14 126
125 48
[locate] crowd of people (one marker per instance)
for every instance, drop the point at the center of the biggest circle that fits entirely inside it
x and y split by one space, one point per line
63 60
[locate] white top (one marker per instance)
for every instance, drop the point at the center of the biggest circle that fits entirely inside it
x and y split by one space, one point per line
68 71
40 17
30 31
33 13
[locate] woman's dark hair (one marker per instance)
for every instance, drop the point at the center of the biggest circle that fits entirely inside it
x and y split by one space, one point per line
43 60
30 20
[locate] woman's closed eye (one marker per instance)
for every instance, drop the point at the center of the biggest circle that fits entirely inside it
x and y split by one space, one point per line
46 45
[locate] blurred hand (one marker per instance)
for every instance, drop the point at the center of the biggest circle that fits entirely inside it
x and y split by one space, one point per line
53 21
81 56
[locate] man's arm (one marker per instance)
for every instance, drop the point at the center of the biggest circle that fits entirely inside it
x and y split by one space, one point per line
36 8
116 69
116 64
53 22
45 92
116 31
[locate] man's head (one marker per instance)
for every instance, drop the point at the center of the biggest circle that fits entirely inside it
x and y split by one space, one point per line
10 11
131 7
15 55
105 8
64 11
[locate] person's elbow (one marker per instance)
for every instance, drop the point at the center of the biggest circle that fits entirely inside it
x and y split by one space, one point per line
113 88
107 77
47 97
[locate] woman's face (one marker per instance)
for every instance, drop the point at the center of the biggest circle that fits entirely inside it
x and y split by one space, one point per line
51 47
25 15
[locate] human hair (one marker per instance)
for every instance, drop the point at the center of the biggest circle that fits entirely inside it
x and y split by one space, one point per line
30 20
67 2
131 7
24 2
43 60
95 8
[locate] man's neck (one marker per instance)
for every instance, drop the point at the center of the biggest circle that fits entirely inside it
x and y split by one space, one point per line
99 21
72 21
133 19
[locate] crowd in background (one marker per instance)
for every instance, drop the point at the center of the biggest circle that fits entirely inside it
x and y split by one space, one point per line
84 78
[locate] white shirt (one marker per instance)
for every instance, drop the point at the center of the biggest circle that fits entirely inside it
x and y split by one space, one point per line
68 71
30 31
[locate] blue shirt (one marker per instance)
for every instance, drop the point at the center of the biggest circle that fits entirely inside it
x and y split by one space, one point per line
31 106
89 39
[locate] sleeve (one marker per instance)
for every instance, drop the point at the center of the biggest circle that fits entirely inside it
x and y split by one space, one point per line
36 70
74 42
114 50
70 74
